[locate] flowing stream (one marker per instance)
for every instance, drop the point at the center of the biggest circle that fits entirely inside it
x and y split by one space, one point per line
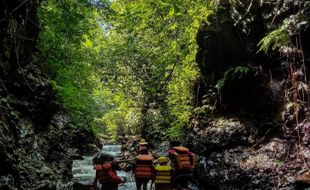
84 174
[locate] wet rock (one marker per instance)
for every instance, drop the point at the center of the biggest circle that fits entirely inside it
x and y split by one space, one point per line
47 185
223 171
7 183
221 133
86 146
35 138
32 150
83 185
91 149
74 154
267 167
251 153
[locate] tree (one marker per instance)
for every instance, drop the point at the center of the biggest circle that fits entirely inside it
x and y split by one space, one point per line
152 48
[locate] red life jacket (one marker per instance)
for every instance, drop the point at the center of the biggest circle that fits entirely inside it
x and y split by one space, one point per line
144 167
183 158
106 174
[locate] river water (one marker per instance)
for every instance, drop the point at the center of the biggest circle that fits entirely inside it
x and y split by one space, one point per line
84 173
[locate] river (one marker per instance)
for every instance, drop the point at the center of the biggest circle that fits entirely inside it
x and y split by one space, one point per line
84 173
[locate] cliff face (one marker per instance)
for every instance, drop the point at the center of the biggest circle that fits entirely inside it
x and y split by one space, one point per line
35 139
255 138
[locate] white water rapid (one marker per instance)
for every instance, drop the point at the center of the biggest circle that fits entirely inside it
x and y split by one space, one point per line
84 173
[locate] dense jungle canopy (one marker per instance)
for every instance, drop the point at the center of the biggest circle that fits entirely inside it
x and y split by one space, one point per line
123 66
227 78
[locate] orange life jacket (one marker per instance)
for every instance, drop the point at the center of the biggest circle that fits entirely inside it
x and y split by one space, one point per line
183 159
144 166
106 174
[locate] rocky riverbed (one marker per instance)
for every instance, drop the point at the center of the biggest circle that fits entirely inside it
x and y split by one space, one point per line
232 155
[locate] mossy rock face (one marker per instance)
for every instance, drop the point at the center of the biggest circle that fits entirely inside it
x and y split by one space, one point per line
7 182
241 167
91 149
34 137
226 43
221 133
81 138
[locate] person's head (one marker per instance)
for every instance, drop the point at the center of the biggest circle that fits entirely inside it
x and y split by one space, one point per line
162 161
102 158
143 150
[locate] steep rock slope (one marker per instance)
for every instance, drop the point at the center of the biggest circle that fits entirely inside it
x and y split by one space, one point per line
254 138
35 140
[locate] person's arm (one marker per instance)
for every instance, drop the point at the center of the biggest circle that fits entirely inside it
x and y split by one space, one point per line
115 165
134 166
130 166
172 157
194 160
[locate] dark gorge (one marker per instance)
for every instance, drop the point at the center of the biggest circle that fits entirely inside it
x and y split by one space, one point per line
228 79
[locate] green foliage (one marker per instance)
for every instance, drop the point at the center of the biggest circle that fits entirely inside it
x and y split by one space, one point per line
208 103
123 66
274 40
176 133
69 52
238 71
178 98
152 48
279 162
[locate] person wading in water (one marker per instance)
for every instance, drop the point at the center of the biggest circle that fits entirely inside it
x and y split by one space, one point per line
183 163
163 173
106 167
143 168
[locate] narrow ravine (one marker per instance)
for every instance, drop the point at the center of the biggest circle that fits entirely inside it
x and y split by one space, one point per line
227 79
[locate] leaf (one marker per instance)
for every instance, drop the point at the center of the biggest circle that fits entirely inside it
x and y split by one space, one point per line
274 40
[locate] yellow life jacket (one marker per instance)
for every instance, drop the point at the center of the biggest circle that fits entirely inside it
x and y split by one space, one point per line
163 174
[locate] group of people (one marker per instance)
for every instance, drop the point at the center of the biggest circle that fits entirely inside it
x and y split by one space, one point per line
171 172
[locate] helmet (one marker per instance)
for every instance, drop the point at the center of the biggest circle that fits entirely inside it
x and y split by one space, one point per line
143 142
162 160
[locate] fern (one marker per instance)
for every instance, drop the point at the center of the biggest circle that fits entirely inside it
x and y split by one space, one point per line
238 71
275 40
